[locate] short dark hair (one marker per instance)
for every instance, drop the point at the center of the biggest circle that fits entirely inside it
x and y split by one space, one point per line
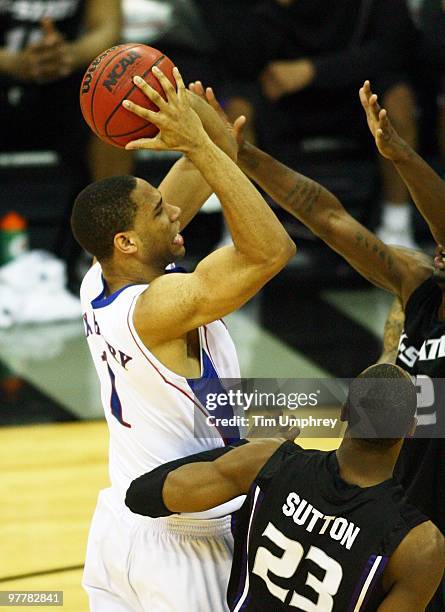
102 210
381 405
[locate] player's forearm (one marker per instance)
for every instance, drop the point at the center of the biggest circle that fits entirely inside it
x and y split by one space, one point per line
300 196
201 486
185 187
256 232
393 330
427 190
322 213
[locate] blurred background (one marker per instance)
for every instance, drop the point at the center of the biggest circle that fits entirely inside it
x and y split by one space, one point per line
294 69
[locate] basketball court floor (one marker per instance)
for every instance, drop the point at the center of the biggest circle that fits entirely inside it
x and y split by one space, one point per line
53 441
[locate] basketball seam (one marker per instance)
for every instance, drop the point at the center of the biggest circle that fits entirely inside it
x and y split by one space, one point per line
97 83
113 138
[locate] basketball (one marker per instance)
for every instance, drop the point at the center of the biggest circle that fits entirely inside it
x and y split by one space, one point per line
108 81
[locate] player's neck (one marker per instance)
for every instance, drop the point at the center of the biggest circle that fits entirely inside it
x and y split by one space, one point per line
363 467
133 273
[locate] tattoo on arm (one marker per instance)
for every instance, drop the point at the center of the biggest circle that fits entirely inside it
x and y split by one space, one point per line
409 151
392 332
250 163
303 196
383 253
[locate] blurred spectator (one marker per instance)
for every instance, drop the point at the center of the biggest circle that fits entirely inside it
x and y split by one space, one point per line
309 62
176 27
44 48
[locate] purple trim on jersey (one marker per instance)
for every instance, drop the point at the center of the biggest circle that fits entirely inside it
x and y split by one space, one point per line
210 382
101 301
375 580
115 402
358 589
237 435
176 270
245 558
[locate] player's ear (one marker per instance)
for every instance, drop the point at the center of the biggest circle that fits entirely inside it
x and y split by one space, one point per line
125 243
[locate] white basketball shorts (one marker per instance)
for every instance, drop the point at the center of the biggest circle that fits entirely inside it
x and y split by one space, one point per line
138 564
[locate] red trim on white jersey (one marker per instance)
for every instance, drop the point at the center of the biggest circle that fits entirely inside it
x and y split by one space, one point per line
161 374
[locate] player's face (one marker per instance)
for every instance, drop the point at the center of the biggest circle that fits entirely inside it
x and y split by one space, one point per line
439 266
157 226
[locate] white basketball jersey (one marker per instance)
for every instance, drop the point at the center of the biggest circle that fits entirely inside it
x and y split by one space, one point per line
152 413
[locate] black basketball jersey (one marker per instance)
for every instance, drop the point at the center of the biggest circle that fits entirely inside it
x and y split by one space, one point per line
421 466
307 540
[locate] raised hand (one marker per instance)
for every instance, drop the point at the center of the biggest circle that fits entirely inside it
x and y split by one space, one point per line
388 141
235 130
180 128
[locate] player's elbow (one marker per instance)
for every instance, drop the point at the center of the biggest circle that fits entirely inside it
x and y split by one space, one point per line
145 494
136 500
282 255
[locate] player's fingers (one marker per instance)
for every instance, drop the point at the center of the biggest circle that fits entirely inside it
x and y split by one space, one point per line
211 99
155 144
374 103
179 81
380 137
238 128
199 89
142 112
363 98
239 123
383 118
180 87
165 83
367 88
148 91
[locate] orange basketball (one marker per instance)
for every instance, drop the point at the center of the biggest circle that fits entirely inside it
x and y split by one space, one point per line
108 81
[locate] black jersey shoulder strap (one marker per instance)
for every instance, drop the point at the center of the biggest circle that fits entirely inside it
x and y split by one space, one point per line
419 295
409 518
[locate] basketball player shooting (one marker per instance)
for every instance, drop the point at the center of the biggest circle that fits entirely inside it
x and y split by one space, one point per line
329 531
152 337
